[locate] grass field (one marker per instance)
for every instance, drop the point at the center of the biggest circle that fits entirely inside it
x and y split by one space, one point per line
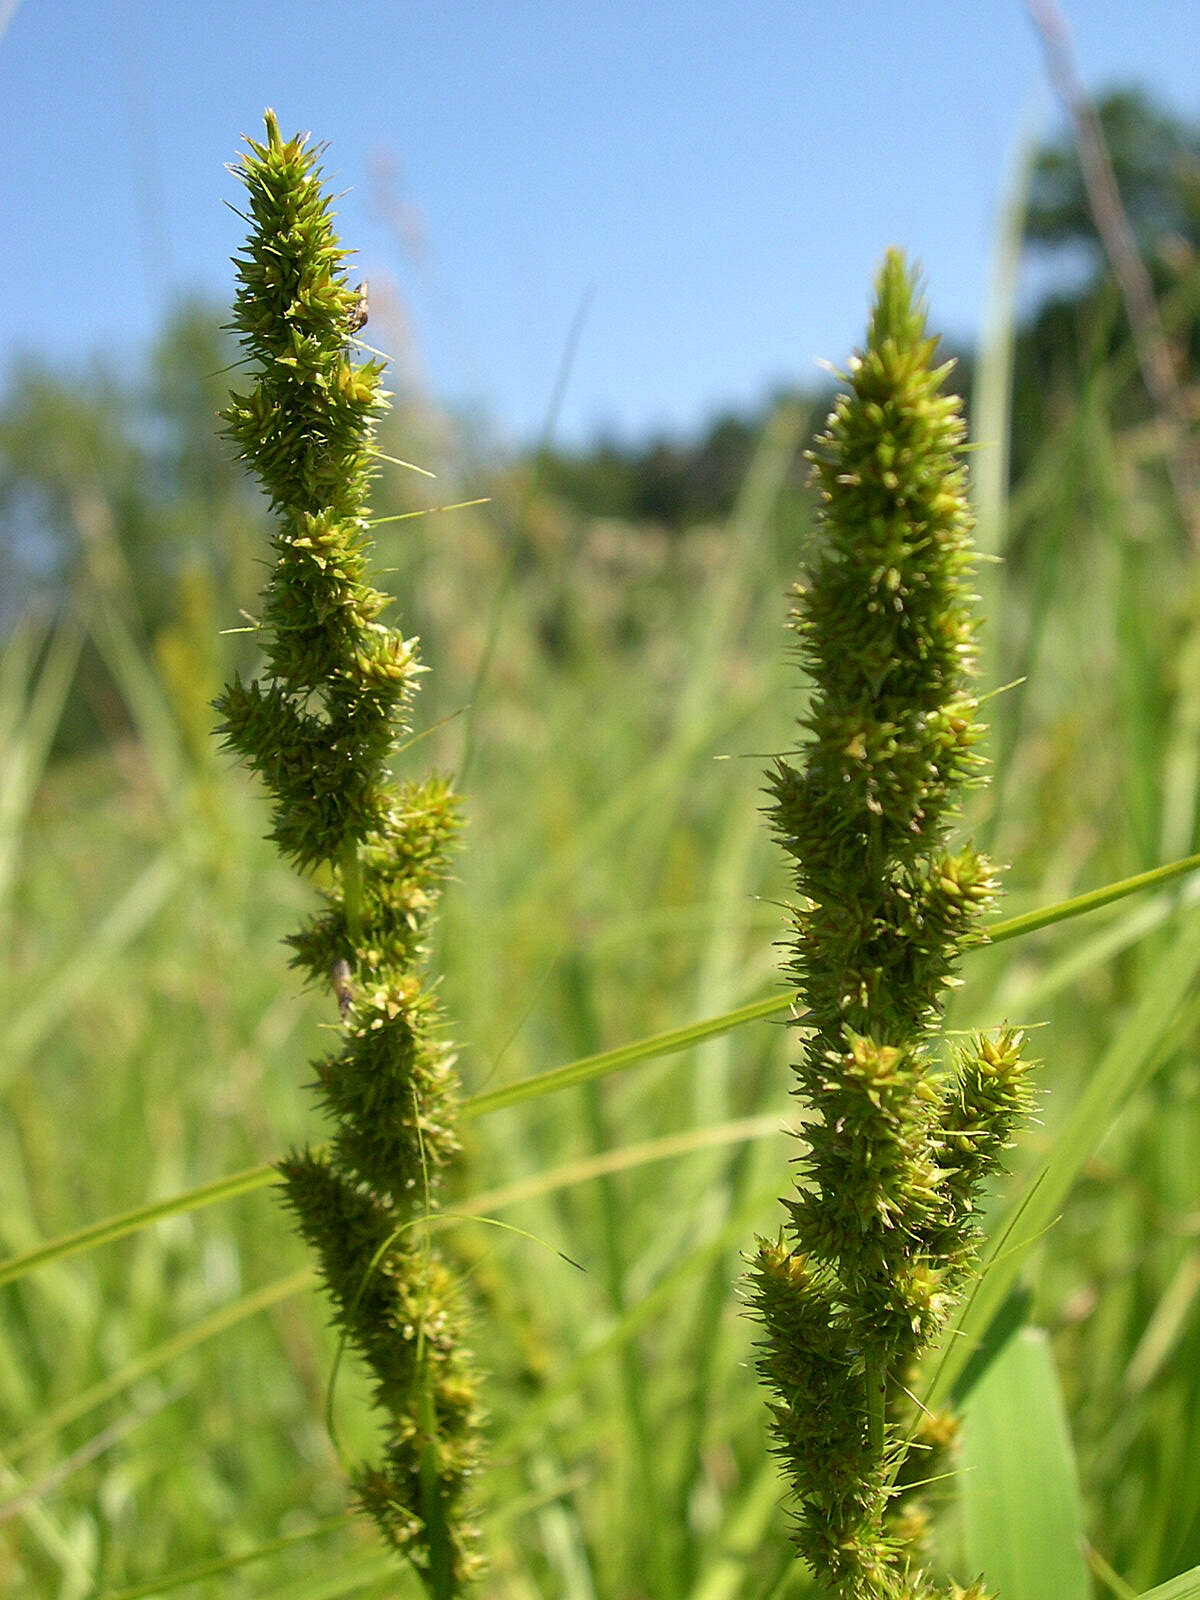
609 697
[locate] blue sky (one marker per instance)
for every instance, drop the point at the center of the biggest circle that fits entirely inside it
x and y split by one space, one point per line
719 179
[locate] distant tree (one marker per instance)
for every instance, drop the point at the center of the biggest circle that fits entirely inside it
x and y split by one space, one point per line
1156 162
121 489
674 482
1079 328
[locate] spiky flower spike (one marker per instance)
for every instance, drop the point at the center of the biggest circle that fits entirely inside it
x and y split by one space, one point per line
879 1233
320 727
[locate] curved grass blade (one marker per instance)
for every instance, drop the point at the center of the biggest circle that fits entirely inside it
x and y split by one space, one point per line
1130 1061
584 1070
1185 1586
219 1566
1019 1488
627 1055
112 1228
280 1289
138 906
217 1322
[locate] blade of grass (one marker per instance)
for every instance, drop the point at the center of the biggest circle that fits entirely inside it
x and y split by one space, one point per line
564 1077
251 1178
28 721
112 1228
140 686
742 1537
280 1289
1160 1337
1181 760
1133 1057
1079 905
136 909
210 1327
1112 1580
219 1566
635 1318
1020 1495
1123 931
1185 1586
608 1061
627 1158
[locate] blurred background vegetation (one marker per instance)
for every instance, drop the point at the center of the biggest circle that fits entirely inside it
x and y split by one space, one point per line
609 672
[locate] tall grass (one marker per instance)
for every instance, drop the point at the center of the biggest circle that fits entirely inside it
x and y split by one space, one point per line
164 1392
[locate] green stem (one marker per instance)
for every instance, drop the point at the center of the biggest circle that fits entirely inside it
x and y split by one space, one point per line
876 1379
351 871
441 1559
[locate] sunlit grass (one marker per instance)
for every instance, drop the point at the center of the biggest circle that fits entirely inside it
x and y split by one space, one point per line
616 883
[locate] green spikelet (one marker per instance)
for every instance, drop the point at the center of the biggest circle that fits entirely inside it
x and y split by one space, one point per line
879 1234
320 727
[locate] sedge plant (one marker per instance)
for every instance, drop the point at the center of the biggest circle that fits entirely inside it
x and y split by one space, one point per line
320 726
900 1136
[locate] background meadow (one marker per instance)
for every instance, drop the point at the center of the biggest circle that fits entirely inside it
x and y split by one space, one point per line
609 672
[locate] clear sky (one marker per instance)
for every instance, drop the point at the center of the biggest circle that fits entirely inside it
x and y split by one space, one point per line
720 179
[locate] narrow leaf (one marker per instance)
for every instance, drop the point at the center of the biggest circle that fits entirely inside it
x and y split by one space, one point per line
1019 1489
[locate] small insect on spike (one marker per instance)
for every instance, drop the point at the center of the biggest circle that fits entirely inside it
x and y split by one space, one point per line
339 976
361 309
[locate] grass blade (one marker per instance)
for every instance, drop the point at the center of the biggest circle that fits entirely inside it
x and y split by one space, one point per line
112 1228
1132 1058
136 909
225 1317
1019 1489
223 1564
589 1068
1186 1586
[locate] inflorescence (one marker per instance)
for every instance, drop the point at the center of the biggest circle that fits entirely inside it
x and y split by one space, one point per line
880 1231
320 727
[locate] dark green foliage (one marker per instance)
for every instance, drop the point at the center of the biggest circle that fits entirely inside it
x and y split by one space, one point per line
1080 328
880 1231
320 728
1156 163
120 495
675 483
